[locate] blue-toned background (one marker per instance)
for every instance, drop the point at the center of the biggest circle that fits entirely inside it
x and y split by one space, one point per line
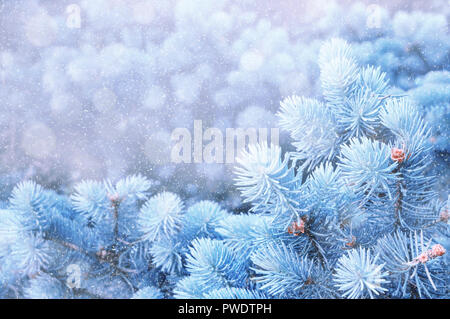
93 89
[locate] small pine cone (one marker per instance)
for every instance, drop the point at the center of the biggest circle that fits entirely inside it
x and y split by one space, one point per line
352 242
115 199
296 228
422 258
437 251
397 155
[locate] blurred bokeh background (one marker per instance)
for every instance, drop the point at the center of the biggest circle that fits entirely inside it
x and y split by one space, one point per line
92 89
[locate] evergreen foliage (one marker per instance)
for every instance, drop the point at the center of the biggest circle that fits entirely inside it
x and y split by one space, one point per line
117 86
351 212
